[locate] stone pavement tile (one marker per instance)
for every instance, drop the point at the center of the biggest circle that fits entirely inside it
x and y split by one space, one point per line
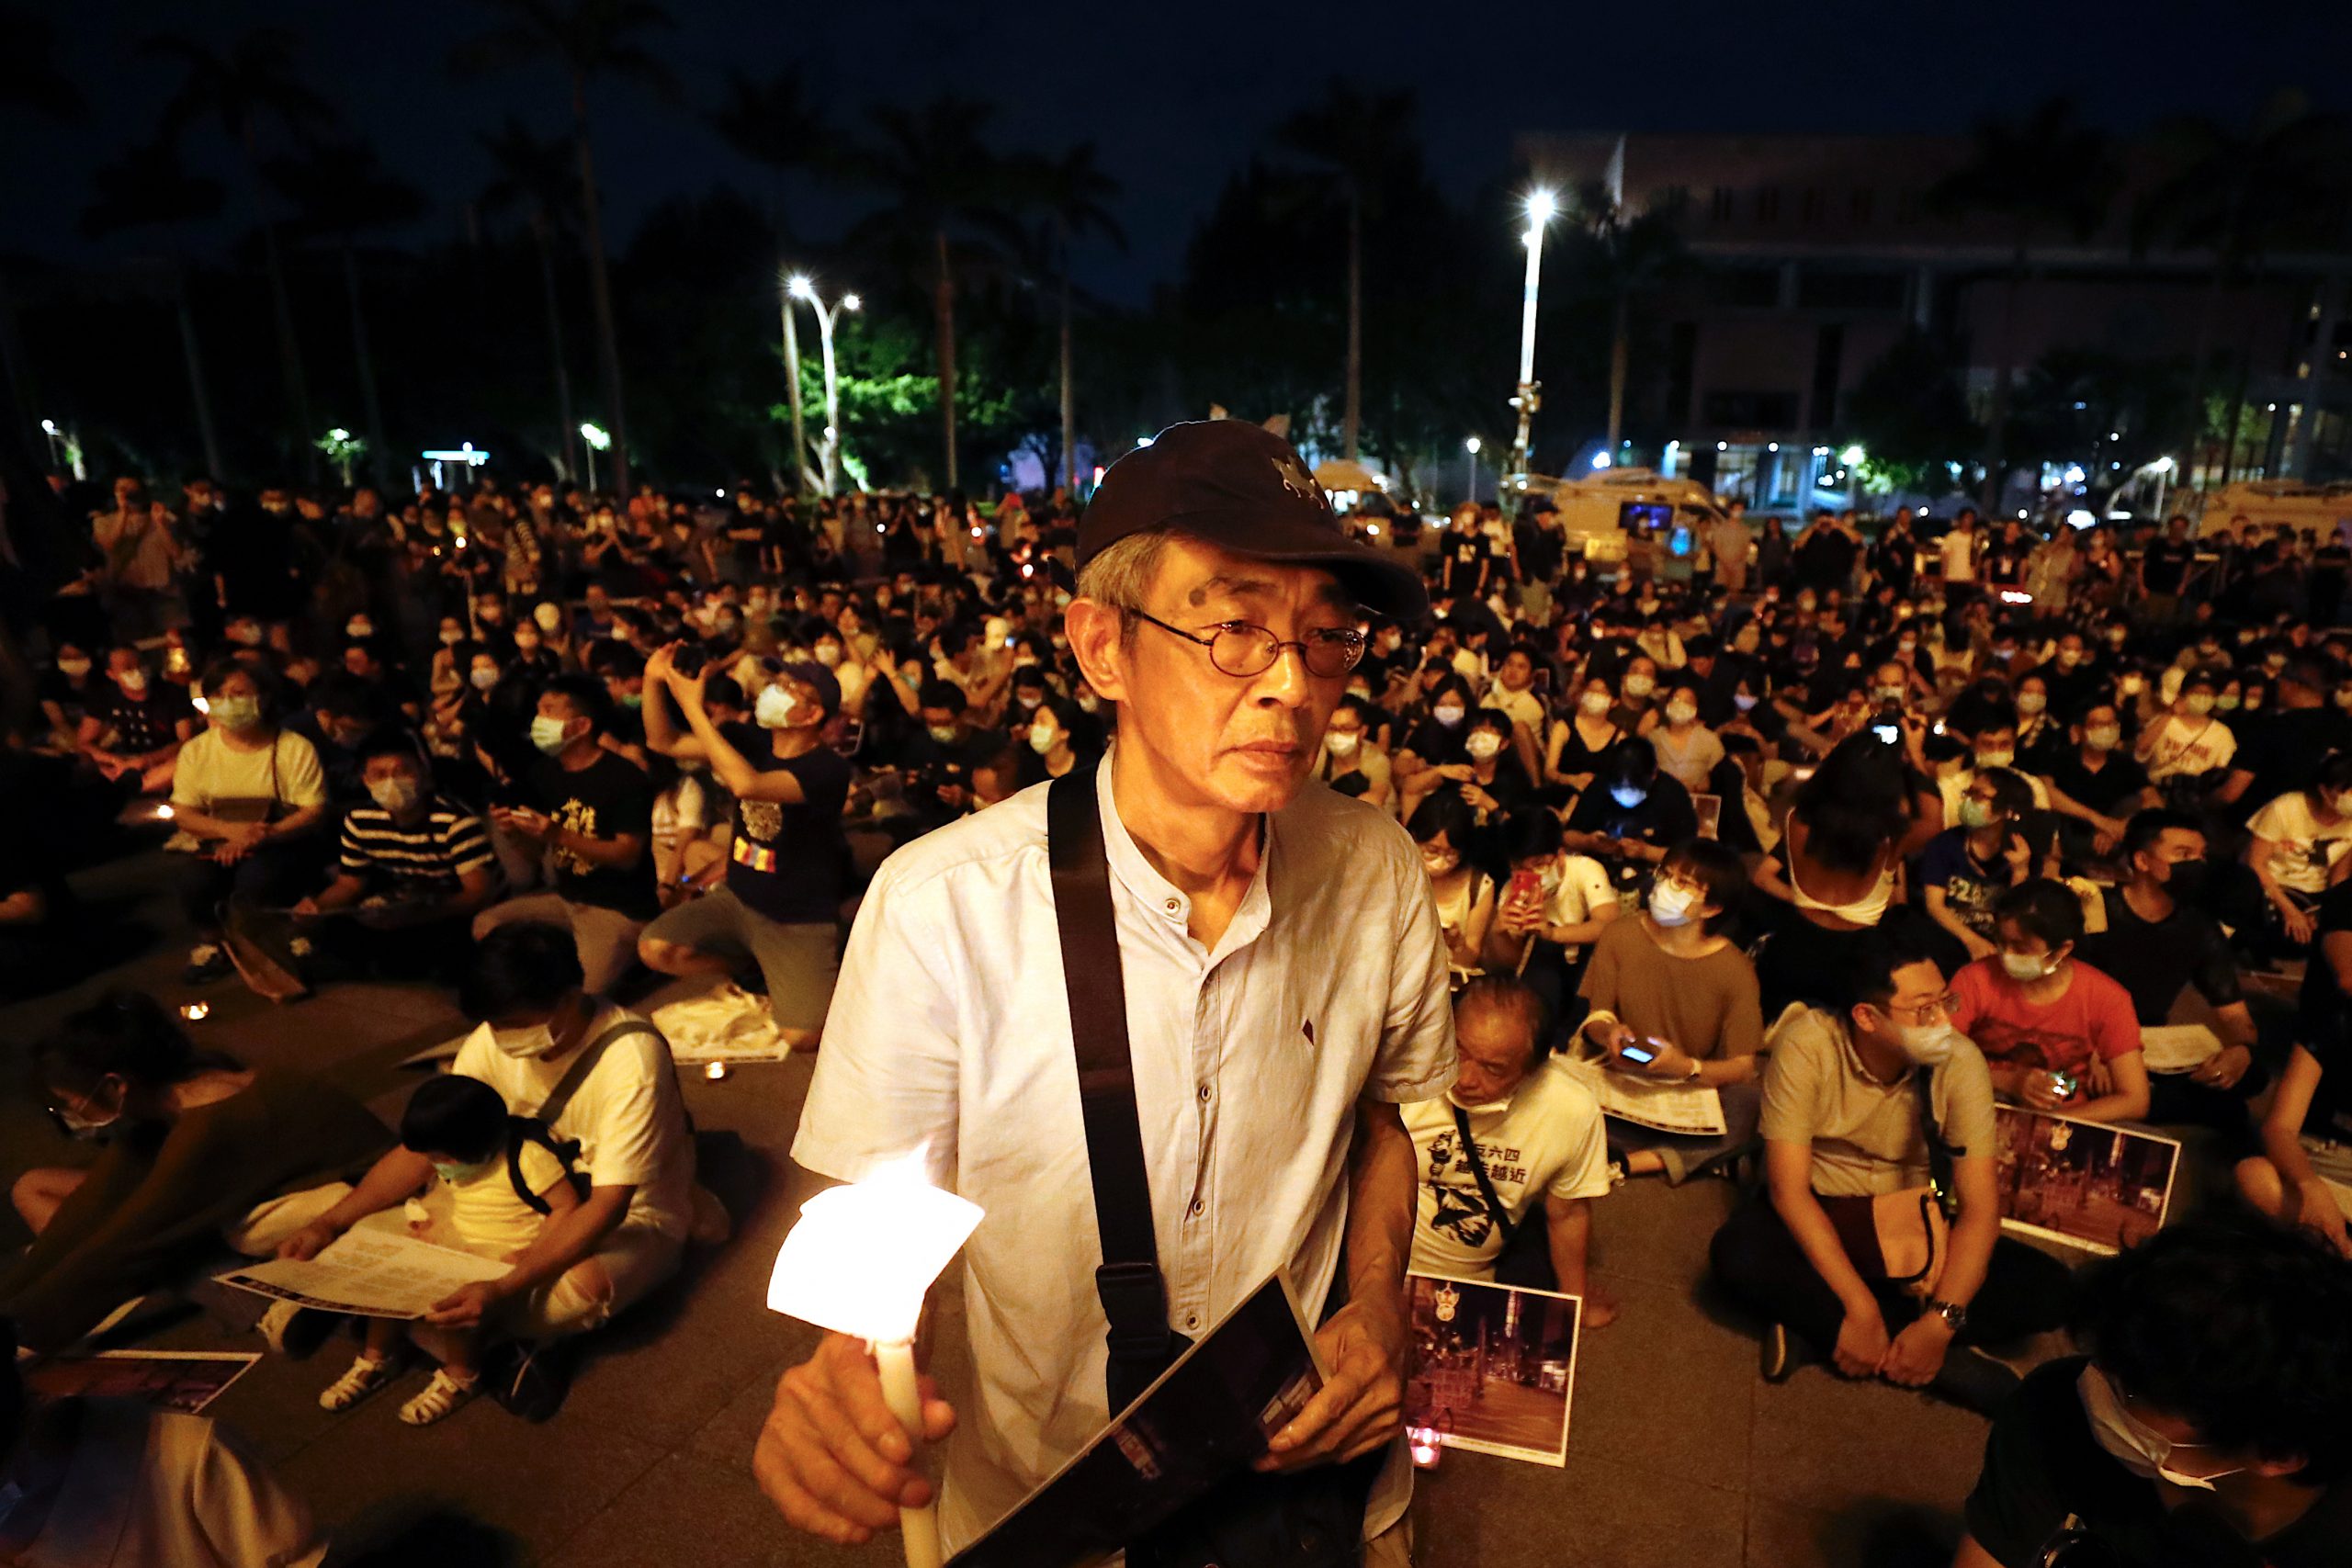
539 1483
1865 1534
1649 1231
1679 1410
729 1436
1476 1511
690 1509
1822 1442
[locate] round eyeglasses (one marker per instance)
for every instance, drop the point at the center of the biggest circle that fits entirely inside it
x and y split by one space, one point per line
1242 651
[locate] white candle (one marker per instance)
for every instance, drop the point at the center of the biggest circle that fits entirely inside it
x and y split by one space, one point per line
919 1527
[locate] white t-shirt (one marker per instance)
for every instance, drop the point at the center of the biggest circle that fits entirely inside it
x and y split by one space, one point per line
2187 745
488 1215
1547 1141
2306 847
1584 887
1524 707
628 1117
211 772
1960 556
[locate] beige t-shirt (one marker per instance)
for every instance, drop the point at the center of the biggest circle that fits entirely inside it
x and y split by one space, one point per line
489 1216
1707 1005
1867 1137
212 773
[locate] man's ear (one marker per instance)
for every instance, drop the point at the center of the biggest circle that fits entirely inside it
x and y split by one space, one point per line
1097 640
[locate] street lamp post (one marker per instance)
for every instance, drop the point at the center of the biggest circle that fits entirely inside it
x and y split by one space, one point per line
1539 208
794 288
829 454
598 439
1470 448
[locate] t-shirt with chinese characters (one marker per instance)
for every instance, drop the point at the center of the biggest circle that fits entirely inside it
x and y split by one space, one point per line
2093 1019
608 797
1546 1142
2192 746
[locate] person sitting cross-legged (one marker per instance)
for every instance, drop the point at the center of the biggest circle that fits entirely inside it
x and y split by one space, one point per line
1850 1254
2057 1033
415 868
1535 1130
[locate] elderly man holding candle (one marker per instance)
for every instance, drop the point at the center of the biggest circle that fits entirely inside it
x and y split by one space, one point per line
1284 992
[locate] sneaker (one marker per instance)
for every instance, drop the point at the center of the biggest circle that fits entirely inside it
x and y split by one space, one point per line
207 961
441 1398
1780 1358
364 1377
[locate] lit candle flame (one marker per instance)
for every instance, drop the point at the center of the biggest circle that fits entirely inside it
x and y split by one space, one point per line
860 1258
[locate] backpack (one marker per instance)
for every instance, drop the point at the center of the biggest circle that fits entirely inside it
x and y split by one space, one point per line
541 1129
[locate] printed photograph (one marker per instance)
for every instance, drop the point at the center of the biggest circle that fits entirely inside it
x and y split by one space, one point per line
2093 1186
1493 1369
185 1381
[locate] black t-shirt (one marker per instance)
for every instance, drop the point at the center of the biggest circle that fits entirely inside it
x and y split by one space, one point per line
2326 1014
1828 558
789 861
603 800
2115 785
1464 557
2155 961
2165 565
1664 817
2042 1463
136 725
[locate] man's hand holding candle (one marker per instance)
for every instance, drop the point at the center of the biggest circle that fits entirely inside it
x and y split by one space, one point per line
832 1457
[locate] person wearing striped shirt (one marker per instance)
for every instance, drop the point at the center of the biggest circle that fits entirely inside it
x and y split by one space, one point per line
414 869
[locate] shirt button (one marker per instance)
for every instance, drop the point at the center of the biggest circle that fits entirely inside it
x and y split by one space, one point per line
1173 906
1195 1210
1205 1094
1192 1320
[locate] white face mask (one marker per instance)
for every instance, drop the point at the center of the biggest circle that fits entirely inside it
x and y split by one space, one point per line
1994 758
1041 739
1628 796
1342 742
2200 701
2128 1442
1924 1044
1671 905
1639 685
524 1043
1483 744
776 708
2031 701
1449 715
1680 713
2028 966
1594 703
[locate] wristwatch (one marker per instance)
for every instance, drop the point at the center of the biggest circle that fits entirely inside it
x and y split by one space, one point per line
1954 1315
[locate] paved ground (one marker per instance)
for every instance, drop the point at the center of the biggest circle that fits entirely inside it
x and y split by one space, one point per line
1678 1457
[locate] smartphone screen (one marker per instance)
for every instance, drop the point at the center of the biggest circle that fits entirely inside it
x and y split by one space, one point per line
1888 733
1634 1052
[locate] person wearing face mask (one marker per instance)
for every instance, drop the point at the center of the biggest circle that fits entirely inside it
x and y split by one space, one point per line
2057 1033
591 823
2097 784
1687 749
1847 1256
1965 867
1637 707
246 795
494 1186
414 866
2191 740
1632 814
1670 983
1581 742
1553 907
135 726
2203 1421
595 1077
1496 785
197 1149
1441 825
1434 752
2299 845
1352 762
1995 747
1051 746
1531 1128
788 865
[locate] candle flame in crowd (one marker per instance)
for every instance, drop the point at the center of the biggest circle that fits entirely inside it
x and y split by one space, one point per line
860 1258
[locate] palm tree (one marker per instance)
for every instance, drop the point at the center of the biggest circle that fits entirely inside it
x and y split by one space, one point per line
148 187
942 186
2046 172
1621 256
1362 138
2240 195
338 191
239 89
537 177
587 38
1069 191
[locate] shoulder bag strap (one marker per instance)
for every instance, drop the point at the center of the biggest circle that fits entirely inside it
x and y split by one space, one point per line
1134 1293
1486 1183
560 1097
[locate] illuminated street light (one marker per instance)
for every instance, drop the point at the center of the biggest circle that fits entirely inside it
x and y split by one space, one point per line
598 440
1600 459
1541 206
1471 447
827 450
1853 456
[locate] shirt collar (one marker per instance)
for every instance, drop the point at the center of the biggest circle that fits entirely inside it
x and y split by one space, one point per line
1167 902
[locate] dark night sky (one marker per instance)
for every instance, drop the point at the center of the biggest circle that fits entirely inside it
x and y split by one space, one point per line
1178 96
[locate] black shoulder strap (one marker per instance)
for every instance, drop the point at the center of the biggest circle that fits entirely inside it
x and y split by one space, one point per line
1486 1183
552 1108
1134 1296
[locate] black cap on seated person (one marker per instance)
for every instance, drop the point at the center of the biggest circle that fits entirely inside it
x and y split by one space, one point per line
1246 489
819 679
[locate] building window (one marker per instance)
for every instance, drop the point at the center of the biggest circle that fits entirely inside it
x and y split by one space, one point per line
1719 207
1809 207
1767 205
1864 199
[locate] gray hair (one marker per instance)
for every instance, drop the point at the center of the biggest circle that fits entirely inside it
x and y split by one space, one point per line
1122 575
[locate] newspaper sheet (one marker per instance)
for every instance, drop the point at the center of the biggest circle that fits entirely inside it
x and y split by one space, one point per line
1693 1110
2178 1047
372 1273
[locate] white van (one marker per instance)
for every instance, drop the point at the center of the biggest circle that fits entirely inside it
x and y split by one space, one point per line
2323 509
1598 514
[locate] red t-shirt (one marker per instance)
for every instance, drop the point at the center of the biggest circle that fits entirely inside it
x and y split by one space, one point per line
2094 1016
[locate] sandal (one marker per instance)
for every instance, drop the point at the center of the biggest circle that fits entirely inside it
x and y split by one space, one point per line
441 1396
364 1377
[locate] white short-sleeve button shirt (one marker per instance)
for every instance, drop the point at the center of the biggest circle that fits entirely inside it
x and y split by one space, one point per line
950 1032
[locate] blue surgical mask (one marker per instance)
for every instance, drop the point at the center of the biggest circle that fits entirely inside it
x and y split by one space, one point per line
1628 796
457 1173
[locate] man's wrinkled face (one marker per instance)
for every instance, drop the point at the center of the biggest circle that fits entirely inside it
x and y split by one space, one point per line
1245 743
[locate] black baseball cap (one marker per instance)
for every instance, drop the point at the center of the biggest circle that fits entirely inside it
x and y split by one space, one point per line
1245 488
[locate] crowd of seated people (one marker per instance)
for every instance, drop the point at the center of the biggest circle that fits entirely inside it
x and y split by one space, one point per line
1828 825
